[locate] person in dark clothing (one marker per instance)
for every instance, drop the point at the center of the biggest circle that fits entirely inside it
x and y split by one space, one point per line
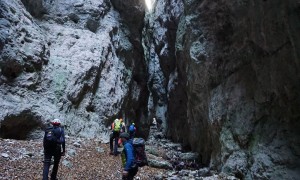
130 168
53 148
114 136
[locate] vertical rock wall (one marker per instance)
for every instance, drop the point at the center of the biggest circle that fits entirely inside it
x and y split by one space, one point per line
134 107
75 60
159 45
239 64
222 77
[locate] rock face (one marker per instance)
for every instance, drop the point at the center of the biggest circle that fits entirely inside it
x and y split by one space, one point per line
236 95
23 47
221 77
230 89
71 60
159 44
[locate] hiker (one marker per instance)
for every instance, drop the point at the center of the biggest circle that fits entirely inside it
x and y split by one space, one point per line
54 145
116 128
132 130
130 168
154 123
123 128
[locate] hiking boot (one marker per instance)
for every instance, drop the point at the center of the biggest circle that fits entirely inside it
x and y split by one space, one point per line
117 153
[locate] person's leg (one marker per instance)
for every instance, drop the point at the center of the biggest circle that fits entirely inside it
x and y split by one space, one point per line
111 138
47 161
57 157
116 135
132 173
132 135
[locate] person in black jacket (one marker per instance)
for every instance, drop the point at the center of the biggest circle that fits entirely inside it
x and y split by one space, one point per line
54 145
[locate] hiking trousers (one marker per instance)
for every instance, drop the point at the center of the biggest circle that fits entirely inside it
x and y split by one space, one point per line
114 137
131 173
48 153
131 134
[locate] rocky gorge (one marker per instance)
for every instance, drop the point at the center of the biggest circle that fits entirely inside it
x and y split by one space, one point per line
221 77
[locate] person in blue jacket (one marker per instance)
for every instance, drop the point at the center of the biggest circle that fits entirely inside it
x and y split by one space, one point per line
130 168
132 130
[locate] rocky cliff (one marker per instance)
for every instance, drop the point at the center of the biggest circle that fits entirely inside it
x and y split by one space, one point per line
229 82
75 60
221 77
236 93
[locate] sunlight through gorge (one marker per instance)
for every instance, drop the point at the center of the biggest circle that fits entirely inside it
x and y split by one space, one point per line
149 4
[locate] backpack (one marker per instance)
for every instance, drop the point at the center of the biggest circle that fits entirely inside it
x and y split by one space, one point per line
117 125
139 149
53 136
131 128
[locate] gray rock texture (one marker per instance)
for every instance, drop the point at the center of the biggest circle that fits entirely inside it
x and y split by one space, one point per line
71 60
238 86
22 44
159 35
220 77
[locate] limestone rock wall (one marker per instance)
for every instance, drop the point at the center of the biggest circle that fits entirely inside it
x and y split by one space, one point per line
221 77
135 106
24 50
159 36
240 66
229 84
73 60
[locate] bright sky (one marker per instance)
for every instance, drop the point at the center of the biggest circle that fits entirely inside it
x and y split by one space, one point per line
149 4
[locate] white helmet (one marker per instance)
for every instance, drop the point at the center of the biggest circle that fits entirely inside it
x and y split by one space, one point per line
56 122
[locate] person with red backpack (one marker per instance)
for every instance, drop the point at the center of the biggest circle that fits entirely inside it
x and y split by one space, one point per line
130 167
114 136
54 146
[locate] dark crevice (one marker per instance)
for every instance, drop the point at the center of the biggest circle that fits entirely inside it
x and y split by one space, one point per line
19 126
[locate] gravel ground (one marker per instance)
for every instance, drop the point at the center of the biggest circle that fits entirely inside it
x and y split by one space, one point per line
85 159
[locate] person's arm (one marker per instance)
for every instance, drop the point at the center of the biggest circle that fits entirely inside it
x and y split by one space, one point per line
44 139
129 156
112 126
123 127
63 143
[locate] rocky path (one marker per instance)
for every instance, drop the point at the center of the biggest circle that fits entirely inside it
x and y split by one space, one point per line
84 160
90 159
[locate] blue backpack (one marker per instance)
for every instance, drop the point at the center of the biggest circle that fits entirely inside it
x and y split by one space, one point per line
131 128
